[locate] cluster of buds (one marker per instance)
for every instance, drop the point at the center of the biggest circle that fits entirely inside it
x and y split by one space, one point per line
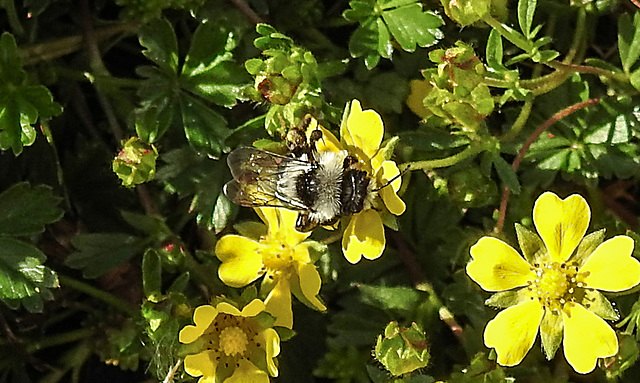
287 78
458 95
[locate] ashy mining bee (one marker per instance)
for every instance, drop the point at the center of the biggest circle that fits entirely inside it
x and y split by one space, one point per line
321 186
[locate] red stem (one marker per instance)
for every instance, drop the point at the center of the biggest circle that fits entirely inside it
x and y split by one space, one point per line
534 136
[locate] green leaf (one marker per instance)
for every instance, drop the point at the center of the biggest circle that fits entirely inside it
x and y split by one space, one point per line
494 52
196 177
161 44
208 70
403 20
410 26
151 275
24 210
506 174
401 299
23 277
629 40
205 129
21 104
360 10
99 253
526 10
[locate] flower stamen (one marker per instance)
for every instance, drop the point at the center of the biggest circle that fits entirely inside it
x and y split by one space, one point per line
233 340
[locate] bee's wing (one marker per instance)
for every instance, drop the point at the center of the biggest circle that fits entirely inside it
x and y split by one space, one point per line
261 178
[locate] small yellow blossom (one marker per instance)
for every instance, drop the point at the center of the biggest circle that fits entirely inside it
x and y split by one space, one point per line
361 134
278 252
231 345
554 288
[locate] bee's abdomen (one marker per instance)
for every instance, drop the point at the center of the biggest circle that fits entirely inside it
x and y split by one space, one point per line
353 191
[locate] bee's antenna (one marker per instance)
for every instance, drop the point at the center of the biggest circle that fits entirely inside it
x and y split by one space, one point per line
392 179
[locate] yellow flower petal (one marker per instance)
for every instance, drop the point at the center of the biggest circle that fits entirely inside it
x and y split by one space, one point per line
611 266
247 372
513 331
587 337
228 308
202 364
241 260
278 304
202 317
363 237
415 101
281 223
362 129
387 171
254 308
561 223
496 266
310 283
271 342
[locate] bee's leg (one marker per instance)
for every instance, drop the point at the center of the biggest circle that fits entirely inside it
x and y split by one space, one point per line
304 222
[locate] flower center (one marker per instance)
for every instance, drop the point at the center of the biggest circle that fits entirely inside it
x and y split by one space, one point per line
555 285
277 255
233 341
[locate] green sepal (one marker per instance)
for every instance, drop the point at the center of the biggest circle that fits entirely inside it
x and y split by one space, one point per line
530 243
551 333
597 303
504 299
588 245
251 229
387 148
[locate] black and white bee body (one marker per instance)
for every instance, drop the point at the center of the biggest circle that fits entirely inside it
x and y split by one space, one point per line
321 186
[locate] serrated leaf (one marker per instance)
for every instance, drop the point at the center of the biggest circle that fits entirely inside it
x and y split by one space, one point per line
404 20
23 277
161 44
506 174
208 70
150 225
25 209
629 40
99 253
21 104
526 10
205 129
410 26
360 10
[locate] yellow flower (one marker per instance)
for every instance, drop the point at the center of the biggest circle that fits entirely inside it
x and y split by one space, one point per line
231 345
279 252
361 134
556 288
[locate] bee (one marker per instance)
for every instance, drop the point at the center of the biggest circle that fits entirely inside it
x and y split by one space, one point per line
321 186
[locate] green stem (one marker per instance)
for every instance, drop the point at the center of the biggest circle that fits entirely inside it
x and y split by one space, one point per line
519 123
473 149
99 294
60 47
58 339
12 15
559 65
44 126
